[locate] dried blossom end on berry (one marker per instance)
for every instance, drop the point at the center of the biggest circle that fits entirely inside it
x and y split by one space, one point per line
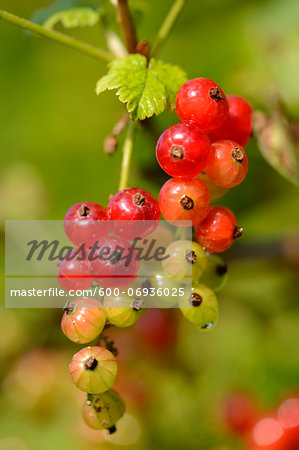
237 154
216 94
195 299
91 363
238 232
187 202
177 152
190 257
84 211
139 199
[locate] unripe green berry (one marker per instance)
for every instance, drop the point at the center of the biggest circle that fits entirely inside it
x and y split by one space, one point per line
215 275
186 259
200 307
123 310
162 285
93 369
102 411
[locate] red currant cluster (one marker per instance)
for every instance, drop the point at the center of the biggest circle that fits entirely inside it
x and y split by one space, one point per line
204 154
208 139
277 430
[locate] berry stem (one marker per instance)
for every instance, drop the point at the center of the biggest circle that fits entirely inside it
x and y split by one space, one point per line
167 26
127 156
63 39
127 25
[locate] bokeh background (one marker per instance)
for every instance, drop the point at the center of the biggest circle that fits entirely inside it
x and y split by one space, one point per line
52 127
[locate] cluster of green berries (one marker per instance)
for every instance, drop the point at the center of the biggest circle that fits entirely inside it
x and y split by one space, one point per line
93 369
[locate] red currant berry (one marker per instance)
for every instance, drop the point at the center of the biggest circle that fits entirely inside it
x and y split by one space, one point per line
182 200
134 204
83 320
74 274
238 125
83 223
228 165
218 230
93 369
203 101
114 263
183 151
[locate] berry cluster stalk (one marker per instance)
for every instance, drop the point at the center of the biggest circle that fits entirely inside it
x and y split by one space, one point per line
127 156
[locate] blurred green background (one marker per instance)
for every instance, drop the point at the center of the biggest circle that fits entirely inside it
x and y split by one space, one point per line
52 128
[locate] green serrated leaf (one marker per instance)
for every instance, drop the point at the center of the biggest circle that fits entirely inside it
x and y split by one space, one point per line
146 89
75 17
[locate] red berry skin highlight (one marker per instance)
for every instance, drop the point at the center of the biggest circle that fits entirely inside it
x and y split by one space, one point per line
204 102
74 274
85 223
228 165
183 151
238 125
218 230
182 200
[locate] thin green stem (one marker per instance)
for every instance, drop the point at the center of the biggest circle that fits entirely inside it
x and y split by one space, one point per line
167 25
88 49
127 156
